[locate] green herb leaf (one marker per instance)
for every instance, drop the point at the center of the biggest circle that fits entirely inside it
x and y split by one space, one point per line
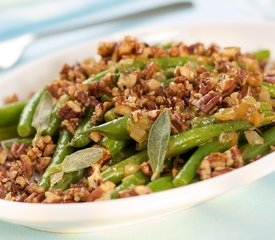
6 144
82 159
158 139
42 114
53 170
56 177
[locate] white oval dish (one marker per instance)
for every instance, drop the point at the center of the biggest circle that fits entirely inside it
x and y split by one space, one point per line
87 217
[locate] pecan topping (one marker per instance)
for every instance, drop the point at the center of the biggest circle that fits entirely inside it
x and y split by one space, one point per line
217 163
70 109
208 102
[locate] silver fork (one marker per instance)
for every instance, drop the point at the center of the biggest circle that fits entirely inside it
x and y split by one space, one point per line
11 50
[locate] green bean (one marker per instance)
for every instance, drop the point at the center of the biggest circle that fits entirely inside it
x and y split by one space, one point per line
265 106
171 61
68 179
169 73
80 140
253 151
113 145
25 140
141 146
24 127
161 184
209 67
135 179
106 97
167 81
116 172
181 142
188 172
270 87
123 154
126 68
8 132
110 115
96 77
166 46
202 121
178 144
266 109
55 120
10 113
117 129
262 55
61 151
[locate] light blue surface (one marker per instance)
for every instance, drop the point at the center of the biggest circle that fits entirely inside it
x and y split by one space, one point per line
244 213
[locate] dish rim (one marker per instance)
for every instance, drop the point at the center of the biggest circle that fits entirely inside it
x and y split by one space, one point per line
178 191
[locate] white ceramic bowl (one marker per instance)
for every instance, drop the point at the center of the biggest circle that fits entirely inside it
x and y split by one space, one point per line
86 217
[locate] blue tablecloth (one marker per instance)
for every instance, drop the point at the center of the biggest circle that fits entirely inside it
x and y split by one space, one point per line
244 213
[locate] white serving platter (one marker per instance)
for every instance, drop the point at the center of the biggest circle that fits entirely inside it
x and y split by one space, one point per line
94 216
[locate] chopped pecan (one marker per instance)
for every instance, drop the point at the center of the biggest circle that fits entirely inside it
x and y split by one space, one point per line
82 97
73 73
105 85
48 150
76 193
106 49
135 191
127 46
217 163
208 102
213 48
58 87
21 181
220 171
18 149
149 71
26 165
205 85
51 197
226 85
231 53
70 124
187 71
33 188
34 153
145 167
94 176
127 80
42 163
197 48
153 84
70 109
95 136
234 157
3 156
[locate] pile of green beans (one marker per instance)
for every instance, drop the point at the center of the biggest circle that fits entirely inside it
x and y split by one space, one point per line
194 144
10 115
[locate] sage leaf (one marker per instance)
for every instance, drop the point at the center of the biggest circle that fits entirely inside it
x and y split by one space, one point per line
158 139
55 178
53 170
42 114
82 159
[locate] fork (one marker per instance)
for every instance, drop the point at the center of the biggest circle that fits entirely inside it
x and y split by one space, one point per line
12 49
